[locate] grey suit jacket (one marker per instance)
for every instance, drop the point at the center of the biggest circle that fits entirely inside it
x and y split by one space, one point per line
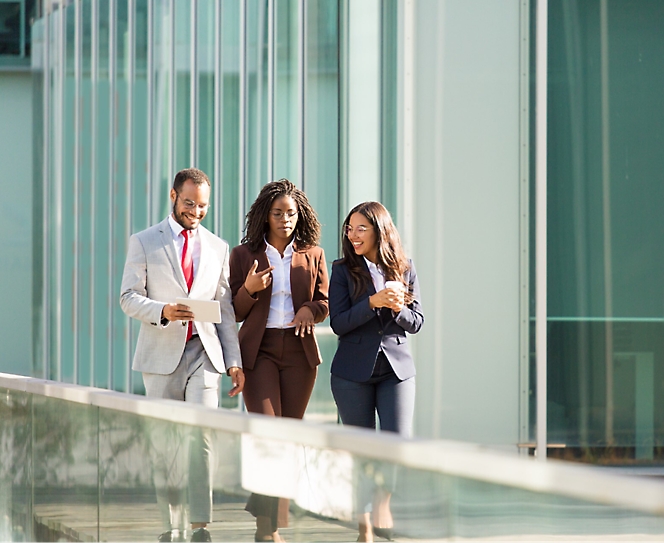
153 277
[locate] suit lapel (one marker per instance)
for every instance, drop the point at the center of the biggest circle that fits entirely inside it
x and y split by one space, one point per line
169 247
371 290
300 278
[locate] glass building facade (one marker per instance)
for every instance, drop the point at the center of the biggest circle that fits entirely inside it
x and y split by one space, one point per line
426 105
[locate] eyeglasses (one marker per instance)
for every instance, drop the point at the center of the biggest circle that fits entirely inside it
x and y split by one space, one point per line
278 215
360 230
189 204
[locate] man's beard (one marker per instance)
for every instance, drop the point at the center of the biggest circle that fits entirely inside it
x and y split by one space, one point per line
178 217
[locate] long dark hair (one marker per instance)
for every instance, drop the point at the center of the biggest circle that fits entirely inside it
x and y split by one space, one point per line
390 256
256 226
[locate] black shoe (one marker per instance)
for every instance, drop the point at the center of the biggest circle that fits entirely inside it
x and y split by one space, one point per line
200 534
171 535
385 533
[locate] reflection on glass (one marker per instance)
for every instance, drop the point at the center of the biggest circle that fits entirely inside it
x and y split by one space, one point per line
15 468
72 470
606 294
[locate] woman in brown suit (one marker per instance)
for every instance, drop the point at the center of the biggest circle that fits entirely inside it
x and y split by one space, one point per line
279 283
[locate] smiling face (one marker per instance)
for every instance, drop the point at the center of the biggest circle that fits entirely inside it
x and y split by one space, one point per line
282 219
191 204
362 236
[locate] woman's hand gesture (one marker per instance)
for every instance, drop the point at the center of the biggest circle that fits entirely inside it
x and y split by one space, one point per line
255 282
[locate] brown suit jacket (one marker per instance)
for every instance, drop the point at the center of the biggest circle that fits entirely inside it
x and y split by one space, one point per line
309 286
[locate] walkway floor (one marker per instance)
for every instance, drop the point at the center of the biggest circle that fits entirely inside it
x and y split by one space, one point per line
140 522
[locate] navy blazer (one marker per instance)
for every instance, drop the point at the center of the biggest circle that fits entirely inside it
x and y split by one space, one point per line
363 331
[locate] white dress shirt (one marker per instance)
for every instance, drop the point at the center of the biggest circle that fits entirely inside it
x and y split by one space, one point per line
178 240
377 277
281 303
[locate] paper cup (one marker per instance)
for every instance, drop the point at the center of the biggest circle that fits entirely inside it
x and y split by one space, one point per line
396 285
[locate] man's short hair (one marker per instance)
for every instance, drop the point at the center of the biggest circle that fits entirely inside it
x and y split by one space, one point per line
197 176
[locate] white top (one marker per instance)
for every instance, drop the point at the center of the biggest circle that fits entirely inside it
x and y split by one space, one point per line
178 240
377 276
281 303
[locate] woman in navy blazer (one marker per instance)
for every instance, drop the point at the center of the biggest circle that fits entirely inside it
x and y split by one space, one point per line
374 302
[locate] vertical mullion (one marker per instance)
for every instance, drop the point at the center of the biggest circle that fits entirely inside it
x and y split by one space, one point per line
606 220
270 90
59 151
218 121
131 31
193 85
94 77
406 213
243 110
46 209
150 111
541 225
77 179
300 86
343 110
111 181
171 94
524 227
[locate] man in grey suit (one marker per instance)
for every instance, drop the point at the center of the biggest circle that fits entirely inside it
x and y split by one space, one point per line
180 358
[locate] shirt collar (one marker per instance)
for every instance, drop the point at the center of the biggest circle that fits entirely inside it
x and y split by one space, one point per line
373 267
177 229
288 251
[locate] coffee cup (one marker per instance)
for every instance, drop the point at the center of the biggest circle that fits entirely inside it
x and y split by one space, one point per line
395 285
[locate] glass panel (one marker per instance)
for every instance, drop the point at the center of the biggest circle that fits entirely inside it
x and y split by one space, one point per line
182 97
120 195
256 114
39 220
322 112
15 468
161 113
139 203
227 188
65 484
85 309
101 214
606 297
206 100
287 110
389 114
84 473
15 31
53 150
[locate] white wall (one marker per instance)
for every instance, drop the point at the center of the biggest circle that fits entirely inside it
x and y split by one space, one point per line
16 222
465 225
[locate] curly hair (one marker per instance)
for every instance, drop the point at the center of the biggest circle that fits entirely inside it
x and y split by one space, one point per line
390 255
307 228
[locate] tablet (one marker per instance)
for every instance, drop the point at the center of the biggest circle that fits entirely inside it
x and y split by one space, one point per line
204 310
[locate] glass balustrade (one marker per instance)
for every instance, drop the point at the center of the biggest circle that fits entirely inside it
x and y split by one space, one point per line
83 464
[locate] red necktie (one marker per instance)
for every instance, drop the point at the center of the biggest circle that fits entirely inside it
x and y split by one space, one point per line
188 269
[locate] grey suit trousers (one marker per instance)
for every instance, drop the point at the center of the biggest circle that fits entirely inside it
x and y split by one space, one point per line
194 380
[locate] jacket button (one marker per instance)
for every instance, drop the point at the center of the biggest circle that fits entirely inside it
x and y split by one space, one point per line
380 332
184 323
